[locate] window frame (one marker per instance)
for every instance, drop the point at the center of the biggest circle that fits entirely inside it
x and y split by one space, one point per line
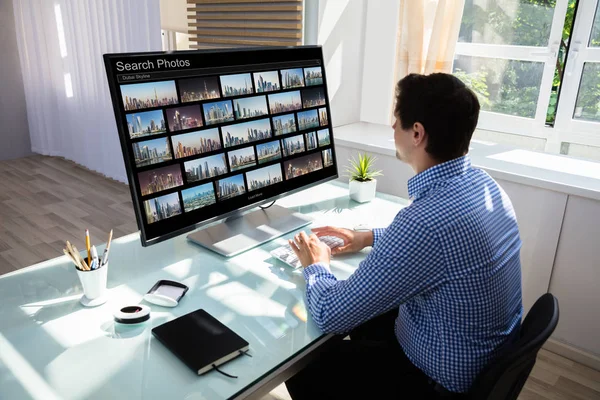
567 128
548 55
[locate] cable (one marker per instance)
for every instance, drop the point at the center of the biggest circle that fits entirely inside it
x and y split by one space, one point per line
263 207
246 353
224 373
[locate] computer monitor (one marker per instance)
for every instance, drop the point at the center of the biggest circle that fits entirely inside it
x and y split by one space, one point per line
210 134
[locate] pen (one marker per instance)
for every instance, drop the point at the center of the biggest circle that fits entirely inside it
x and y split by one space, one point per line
87 245
94 257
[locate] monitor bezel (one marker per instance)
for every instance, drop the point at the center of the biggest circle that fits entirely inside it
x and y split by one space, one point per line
114 93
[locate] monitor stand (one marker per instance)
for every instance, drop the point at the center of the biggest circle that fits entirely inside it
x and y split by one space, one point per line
238 234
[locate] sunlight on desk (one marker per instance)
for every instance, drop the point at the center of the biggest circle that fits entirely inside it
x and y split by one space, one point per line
82 325
27 376
33 308
214 279
85 358
180 269
245 301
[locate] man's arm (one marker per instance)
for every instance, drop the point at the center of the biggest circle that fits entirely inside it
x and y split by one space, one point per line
378 234
406 261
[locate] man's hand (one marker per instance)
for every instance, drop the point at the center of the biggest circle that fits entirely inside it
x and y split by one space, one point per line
310 250
353 241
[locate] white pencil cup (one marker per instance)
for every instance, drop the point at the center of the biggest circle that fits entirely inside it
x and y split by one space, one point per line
94 286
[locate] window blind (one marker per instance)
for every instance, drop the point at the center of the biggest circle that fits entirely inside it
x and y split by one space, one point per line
243 23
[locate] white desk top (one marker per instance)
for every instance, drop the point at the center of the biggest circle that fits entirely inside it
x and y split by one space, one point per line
51 347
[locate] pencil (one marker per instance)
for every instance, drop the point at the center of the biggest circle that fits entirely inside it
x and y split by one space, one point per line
107 248
71 258
81 260
87 245
77 258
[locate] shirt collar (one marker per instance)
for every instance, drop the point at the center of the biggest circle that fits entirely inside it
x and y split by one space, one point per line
441 172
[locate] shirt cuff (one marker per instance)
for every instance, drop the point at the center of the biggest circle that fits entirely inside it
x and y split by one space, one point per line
377 234
316 268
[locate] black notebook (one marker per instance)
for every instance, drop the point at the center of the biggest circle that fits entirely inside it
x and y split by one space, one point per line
200 340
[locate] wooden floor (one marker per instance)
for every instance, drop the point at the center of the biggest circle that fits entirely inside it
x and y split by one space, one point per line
47 200
553 378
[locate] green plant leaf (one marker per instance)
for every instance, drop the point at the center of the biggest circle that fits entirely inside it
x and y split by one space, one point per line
362 169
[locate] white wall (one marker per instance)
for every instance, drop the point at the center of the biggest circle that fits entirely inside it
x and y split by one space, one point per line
379 60
341 25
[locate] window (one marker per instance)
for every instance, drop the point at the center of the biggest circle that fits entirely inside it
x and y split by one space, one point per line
578 112
535 66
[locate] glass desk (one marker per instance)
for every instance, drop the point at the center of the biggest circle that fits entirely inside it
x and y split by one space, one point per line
51 347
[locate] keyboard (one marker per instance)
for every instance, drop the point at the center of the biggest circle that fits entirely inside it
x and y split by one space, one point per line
287 255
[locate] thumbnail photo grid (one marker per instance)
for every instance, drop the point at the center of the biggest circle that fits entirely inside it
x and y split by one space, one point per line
195 142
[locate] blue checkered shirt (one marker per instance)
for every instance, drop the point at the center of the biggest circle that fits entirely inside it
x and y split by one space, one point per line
449 262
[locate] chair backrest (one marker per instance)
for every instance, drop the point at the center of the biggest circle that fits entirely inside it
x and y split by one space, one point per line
504 377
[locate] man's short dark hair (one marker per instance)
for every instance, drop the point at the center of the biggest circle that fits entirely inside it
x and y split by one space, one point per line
445 106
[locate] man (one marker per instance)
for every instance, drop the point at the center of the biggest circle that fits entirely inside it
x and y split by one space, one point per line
440 292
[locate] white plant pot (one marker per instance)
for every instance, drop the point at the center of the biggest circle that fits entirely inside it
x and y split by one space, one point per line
363 191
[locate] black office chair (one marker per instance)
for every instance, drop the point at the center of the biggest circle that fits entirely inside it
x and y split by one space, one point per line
504 378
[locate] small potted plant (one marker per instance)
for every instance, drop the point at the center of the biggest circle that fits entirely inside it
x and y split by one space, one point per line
362 178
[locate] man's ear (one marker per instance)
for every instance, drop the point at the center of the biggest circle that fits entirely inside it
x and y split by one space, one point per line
419 134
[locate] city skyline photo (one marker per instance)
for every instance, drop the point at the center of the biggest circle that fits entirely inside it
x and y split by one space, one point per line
241 158
303 165
160 179
236 85
138 96
231 187
308 119
327 158
313 97
263 177
323 118
284 124
194 143
204 168
291 78
324 139
268 151
217 112
311 140
195 89
185 117
313 76
151 152
266 81
246 132
250 107
282 102
293 145
162 207
145 123
198 197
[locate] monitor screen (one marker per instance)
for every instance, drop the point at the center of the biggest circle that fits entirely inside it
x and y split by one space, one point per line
206 134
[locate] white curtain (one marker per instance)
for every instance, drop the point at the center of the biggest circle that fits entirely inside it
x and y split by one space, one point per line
61 43
427 35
